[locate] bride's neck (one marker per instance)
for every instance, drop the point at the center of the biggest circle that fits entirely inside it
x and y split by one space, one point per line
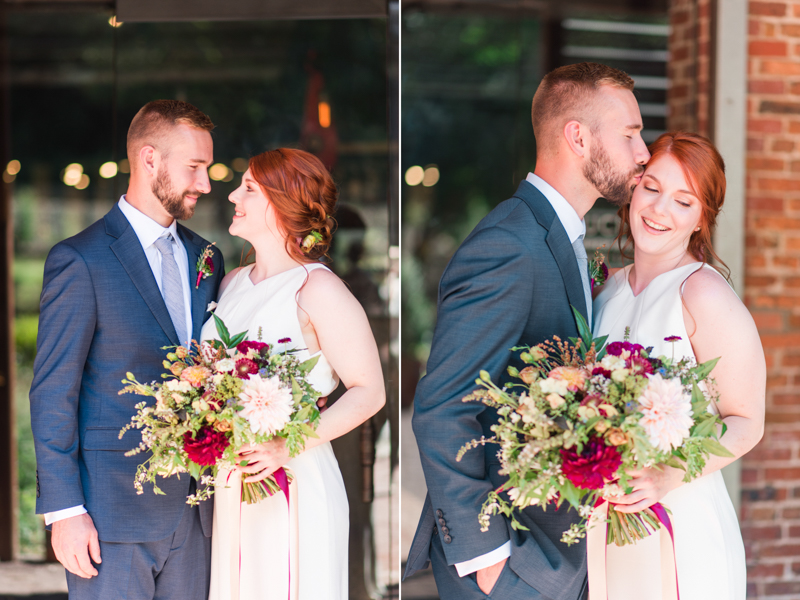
647 267
272 258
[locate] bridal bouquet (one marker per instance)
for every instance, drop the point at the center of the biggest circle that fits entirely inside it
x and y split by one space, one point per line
218 398
582 415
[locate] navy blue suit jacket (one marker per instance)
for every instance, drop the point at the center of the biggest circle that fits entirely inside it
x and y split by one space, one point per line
512 282
103 315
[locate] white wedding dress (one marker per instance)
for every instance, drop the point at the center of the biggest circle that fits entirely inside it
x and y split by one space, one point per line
708 543
254 545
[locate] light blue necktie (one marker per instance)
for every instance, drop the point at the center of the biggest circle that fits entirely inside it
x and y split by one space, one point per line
583 267
172 287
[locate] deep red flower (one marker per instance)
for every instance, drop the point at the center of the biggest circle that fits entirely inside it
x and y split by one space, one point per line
245 367
601 371
616 348
210 265
593 467
640 365
207 447
244 347
284 340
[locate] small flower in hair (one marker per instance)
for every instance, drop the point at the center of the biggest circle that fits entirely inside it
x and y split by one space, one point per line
311 240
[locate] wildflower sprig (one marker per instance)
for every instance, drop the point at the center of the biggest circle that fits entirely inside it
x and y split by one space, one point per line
585 412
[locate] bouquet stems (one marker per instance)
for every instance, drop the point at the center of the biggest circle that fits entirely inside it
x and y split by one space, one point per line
257 491
629 528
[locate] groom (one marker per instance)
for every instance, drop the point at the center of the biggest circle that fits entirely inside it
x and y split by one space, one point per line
512 282
113 296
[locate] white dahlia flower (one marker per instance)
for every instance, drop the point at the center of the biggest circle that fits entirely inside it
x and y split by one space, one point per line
666 412
267 404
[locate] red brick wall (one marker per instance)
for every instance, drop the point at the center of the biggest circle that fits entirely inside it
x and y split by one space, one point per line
689 67
771 473
770 512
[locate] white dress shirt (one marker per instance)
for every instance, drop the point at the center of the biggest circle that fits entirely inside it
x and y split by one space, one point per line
148 231
573 224
575 227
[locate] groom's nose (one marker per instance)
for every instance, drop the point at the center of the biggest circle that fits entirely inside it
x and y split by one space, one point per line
641 154
202 182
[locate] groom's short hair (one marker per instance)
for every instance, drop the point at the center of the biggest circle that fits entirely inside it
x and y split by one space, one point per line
567 94
152 124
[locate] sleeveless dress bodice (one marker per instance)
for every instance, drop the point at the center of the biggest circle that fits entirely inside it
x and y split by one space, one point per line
708 543
269 549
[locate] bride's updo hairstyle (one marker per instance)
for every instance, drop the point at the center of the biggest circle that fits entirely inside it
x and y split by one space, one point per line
303 195
704 170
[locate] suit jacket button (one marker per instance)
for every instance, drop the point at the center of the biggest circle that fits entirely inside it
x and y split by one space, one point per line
445 530
439 513
442 522
447 539
435 531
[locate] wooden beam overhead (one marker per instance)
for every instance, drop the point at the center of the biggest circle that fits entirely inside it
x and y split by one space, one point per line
213 10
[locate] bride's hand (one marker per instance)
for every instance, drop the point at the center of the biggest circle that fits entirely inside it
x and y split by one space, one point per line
649 486
263 460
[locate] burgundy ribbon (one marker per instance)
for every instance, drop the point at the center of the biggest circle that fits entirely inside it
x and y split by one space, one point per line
283 482
282 479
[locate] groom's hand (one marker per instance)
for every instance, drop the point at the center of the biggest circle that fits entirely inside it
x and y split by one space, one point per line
74 540
488 577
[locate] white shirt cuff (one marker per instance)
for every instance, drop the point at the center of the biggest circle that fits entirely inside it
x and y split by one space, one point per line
485 560
60 515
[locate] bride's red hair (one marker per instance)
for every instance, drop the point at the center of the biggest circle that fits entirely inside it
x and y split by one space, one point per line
705 173
303 195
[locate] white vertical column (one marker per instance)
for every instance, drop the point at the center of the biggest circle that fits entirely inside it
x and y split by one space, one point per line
730 127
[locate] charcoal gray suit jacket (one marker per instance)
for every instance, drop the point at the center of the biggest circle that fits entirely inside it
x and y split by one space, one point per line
512 282
103 315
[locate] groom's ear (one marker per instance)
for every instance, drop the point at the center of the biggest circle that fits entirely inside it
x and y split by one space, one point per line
149 158
576 135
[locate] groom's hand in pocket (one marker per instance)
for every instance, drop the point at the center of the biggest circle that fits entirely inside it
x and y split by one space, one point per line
488 577
74 541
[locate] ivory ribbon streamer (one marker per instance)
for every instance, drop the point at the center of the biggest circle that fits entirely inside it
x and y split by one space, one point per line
236 559
596 545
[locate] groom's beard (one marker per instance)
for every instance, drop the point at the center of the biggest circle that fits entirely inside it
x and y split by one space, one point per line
171 200
612 184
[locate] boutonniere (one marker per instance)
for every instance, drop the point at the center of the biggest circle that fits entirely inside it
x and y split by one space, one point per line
205 266
598 271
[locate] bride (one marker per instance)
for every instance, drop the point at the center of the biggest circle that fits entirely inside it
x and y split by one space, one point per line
671 290
292 548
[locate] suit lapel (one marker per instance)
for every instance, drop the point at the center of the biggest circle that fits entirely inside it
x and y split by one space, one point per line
558 242
199 295
130 254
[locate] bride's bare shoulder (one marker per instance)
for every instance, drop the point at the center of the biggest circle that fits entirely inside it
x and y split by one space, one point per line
709 297
324 294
